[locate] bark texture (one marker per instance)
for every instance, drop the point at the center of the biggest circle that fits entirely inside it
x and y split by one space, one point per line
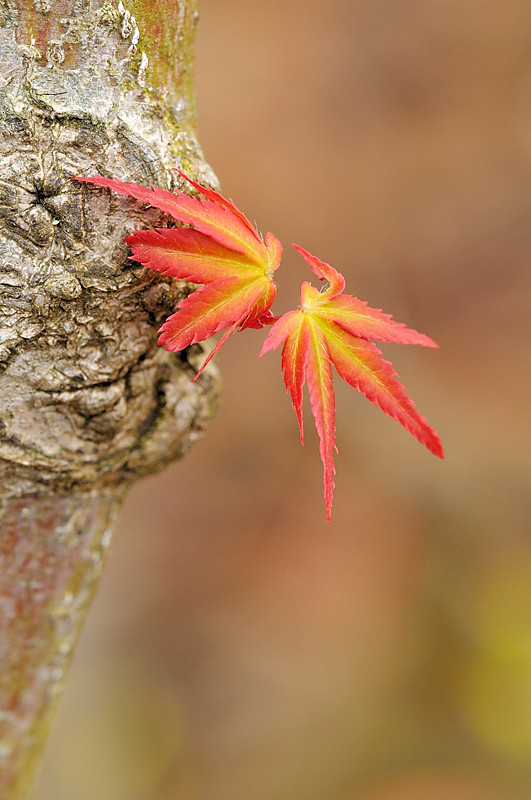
58 544
88 401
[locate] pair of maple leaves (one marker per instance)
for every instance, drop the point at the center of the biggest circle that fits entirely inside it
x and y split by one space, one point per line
225 254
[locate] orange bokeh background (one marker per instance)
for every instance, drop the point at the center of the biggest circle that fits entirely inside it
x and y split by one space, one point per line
240 647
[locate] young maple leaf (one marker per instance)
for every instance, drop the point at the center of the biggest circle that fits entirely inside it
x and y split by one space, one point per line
222 251
335 328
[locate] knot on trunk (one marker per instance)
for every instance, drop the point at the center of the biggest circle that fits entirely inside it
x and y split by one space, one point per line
86 395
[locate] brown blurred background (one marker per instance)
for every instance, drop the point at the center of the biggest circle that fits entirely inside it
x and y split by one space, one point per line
241 648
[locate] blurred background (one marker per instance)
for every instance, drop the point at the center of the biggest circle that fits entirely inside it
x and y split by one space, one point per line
240 647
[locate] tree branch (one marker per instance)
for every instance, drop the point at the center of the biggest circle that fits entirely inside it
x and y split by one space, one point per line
88 402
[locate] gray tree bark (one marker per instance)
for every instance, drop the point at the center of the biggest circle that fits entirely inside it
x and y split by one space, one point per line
88 402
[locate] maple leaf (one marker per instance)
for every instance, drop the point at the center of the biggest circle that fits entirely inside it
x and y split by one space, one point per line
222 251
334 328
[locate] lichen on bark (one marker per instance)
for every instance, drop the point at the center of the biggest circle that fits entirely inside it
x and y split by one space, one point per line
88 402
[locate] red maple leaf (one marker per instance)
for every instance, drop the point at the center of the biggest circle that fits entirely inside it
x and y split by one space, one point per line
222 251
334 328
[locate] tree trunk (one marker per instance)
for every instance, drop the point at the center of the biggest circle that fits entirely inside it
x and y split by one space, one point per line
88 402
